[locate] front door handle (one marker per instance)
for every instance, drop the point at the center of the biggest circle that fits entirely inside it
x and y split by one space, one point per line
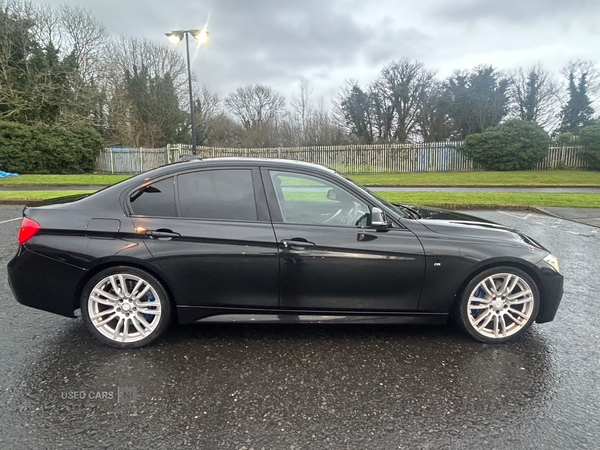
162 234
296 244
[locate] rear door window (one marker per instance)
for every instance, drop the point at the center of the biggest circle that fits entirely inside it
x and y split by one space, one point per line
156 199
226 194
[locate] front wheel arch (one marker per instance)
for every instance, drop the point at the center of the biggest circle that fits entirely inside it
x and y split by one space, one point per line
525 268
498 304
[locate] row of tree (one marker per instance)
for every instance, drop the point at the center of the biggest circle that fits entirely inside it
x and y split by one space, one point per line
60 67
406 101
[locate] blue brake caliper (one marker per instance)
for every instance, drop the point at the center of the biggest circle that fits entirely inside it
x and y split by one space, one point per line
478 293
150 298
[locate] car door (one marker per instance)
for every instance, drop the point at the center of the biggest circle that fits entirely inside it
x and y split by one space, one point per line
329 258
216 242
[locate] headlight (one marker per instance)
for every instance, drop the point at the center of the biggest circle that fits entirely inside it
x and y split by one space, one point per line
552 261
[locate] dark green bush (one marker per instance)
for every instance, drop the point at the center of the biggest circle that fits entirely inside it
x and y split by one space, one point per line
589 138
45 149
512 145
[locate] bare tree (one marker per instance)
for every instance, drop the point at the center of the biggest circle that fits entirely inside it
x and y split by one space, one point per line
257 108
534 96
86 37
433 121
301 106
388 109
207 108
226 132
73 30
322 129
397 95
46 22
124 53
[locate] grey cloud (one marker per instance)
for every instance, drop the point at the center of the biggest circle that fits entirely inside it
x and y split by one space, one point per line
389 43
291 34
274 42
516 11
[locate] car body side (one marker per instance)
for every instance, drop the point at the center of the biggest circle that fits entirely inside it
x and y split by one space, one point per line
79 239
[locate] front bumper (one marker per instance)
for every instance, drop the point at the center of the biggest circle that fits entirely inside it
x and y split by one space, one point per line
551 290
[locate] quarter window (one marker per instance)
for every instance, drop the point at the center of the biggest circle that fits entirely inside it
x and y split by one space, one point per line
217 194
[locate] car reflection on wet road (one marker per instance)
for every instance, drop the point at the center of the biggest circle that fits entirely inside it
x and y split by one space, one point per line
257 386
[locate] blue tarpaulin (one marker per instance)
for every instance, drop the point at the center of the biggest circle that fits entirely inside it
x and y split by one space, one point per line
8 174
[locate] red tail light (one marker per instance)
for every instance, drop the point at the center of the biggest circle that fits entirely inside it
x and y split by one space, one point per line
28 229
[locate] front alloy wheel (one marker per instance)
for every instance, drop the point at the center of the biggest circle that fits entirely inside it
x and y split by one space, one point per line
499 304
125 307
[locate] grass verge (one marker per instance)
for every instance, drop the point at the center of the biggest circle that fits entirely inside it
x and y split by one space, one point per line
516 178
494 198
86 178
417 198
37 195
522 178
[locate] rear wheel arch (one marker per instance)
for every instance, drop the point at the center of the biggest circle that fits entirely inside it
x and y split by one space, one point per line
110 264
126 307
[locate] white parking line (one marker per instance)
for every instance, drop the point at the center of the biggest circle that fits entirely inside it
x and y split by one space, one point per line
514 215
11 220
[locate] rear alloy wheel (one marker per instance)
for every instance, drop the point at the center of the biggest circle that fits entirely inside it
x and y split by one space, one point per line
499 304
125 307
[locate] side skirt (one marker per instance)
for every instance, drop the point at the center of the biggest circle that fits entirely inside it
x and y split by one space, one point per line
190 314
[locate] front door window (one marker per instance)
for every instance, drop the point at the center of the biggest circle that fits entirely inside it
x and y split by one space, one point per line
304 199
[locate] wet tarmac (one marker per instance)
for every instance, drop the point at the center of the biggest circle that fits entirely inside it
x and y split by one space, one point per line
311 387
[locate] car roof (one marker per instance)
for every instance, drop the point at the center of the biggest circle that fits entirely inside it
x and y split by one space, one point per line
237 161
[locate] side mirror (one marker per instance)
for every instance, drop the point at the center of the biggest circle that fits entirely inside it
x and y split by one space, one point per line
332 194
378 219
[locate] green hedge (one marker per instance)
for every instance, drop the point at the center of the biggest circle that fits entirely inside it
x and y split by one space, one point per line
589 137
512 145
45 149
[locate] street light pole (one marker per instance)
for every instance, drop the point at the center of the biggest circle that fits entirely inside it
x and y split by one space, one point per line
187 48
201 36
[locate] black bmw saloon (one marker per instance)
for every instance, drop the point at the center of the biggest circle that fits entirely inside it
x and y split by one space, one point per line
259 240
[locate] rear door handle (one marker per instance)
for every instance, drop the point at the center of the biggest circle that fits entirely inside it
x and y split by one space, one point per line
162 234
293 244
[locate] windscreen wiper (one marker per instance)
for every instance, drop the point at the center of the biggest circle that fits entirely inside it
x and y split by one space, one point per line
412 212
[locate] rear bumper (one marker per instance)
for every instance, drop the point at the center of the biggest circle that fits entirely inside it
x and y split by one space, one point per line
44 283
551 290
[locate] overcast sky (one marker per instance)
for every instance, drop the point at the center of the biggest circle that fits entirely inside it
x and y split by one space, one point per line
275 42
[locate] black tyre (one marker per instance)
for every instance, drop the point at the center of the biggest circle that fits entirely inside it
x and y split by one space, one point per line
125 307
499 305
